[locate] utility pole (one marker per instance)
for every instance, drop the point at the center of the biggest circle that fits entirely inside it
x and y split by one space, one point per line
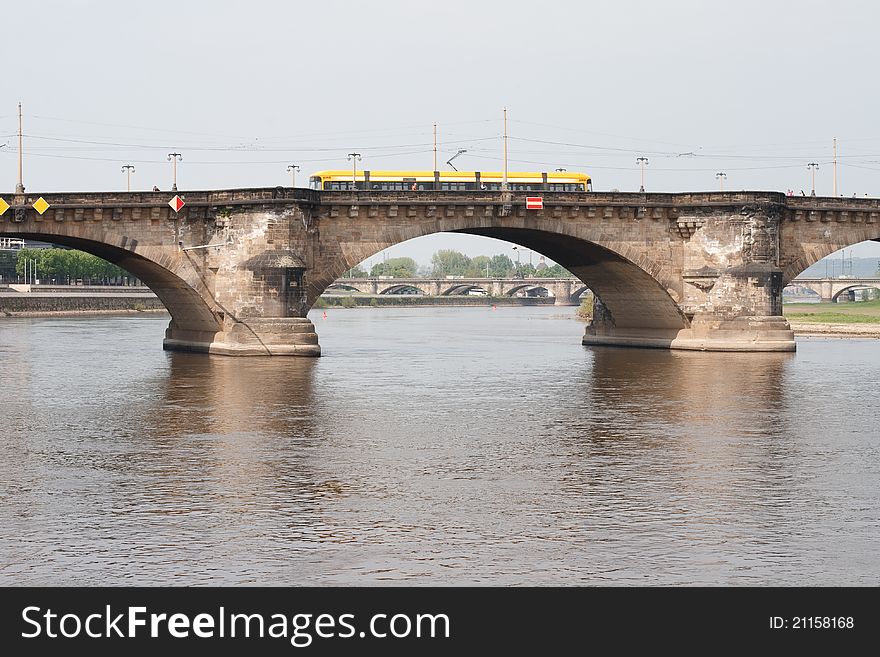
128 169
721 176
835 166
504 178
812 166
642 161
354 157
435 146
174 158
293 168
19 188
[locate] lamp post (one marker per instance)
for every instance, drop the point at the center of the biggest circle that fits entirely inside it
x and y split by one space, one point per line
354 157
174 158
293 168
128 169
561 169
504 177
642 161
721 176
812 166
835 166
19 188
516 248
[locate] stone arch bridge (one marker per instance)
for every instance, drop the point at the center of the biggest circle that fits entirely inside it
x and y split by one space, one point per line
565 291
830 289
239 269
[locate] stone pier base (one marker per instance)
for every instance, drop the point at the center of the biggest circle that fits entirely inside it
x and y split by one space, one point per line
705 334
273 336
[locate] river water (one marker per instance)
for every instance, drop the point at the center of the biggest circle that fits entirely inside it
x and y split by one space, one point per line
433 446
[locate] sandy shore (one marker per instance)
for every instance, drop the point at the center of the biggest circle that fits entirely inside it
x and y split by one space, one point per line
836 330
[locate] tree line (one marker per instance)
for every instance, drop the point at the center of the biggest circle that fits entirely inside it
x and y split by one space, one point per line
67 266
448 262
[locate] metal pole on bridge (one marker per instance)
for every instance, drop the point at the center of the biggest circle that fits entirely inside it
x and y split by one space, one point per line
721 176
354 157
19 188
504 179
128 169
835 166
293 168
642 161
812 166
174 157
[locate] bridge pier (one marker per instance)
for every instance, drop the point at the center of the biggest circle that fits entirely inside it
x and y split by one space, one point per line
730 299
756 333
268 336
562 294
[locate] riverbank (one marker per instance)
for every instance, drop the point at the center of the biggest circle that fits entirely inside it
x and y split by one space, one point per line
67 303
806 329
844 320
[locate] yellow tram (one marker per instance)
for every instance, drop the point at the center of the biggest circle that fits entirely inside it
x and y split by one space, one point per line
517 181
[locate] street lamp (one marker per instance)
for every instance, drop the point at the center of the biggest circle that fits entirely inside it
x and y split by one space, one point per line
516 248
642 161
174 158
128 169
354 157
561 170
293 168
812 166
449 161
721 176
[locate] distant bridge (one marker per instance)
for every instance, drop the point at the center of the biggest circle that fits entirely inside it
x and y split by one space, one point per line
565 291
830 289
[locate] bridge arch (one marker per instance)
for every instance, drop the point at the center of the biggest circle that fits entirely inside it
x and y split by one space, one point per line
528 287
462 289
169 275
348 287
831 240
852 288
576 292
402 289
637 291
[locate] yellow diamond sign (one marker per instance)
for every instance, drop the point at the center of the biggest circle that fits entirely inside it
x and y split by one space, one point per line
40 205
4 206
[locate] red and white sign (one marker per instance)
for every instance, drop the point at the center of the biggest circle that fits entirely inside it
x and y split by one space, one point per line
534 202
176 203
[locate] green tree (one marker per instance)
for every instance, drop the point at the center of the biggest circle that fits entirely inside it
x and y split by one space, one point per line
357 272
501 266
65 266
448 262
396 268
479 266
554 271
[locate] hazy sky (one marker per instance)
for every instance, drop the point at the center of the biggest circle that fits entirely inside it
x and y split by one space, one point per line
242 89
